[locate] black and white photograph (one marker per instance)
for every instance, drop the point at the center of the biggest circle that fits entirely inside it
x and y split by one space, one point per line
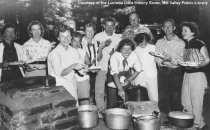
104 65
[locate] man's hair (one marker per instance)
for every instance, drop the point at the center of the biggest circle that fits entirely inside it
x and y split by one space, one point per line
90 25
133 14
170 20
109 19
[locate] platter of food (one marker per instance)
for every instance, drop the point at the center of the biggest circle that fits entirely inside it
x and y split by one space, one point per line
157 54
189 63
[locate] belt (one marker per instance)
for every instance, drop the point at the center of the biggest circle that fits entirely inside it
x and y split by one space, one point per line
38 62
167 68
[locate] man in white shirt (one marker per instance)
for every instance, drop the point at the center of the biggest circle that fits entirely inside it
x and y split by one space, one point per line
108 42
63 60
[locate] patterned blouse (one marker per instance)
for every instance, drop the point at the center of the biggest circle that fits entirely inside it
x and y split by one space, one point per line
175 48
36 51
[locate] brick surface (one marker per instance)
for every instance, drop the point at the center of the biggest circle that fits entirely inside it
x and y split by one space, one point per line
65 104
36 107
73 112
64 124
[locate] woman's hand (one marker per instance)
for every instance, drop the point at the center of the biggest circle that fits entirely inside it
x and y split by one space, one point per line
77 66
121 93
166 57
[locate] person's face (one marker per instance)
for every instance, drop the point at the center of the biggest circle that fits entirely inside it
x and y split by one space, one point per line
9 34
168 28
89 32
134 20
126 51
36 31
143 44
76 41
187 33
65 38
109 27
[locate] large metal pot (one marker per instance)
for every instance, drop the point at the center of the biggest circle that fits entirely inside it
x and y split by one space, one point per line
87 116
147 122
181 119
117 118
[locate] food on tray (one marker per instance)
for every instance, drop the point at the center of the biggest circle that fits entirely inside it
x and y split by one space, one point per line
189 63
158 54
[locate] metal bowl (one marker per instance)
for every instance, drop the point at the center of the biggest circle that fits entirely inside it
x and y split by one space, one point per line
88 116
117 118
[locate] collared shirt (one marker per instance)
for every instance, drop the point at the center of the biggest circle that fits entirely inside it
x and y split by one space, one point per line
116 64
58 60
61 59
36 51
101 37
90 49
175 48
147 60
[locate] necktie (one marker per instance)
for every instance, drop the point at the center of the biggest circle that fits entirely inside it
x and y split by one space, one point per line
125 62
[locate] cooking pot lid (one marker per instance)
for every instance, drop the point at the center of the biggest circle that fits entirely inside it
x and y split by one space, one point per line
181 115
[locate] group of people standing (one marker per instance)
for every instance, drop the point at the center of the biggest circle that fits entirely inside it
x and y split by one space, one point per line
125 61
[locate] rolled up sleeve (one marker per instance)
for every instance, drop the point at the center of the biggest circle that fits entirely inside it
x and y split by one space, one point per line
114 65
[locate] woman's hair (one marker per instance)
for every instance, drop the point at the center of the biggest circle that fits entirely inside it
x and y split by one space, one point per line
35 23
125 42
62 28
142 37
6 26
192 26
90 25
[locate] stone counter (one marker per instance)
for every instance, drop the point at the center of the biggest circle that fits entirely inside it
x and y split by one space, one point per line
27 104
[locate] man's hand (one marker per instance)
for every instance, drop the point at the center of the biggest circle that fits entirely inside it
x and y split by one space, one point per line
166 57
5 64
108 42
